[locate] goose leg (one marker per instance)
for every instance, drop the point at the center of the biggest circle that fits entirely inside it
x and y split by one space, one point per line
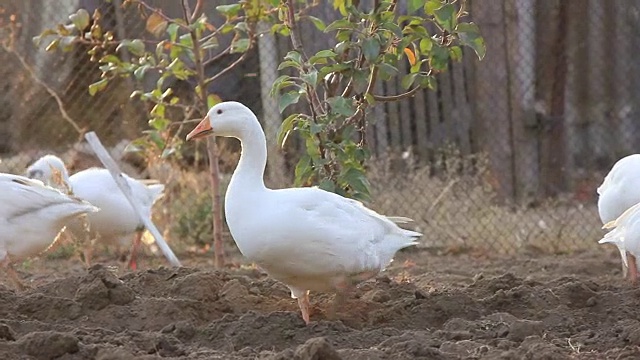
342 288
633 269
87 252
133 264
303 303
88 242
13 275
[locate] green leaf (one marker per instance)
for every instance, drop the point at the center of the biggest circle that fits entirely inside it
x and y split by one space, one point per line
414 5
340 24
439 59
408 80
360 81
210 43
294 56
425 45
431 6
213 100
310 77
159 124
186 40
371 49
111 59
327 185
303 169
229 10
386 71
98 86
341 106
357 180
456 53
66 42
469 35
319 24
140 71
446 17
80 19
158 111
320 55
281 82
285 128
136 46
287 99
172 30
240 46
429 82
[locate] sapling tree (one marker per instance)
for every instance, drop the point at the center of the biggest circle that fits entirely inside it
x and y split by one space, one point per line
338 84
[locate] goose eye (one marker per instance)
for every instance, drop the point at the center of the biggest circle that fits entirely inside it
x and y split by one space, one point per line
219 111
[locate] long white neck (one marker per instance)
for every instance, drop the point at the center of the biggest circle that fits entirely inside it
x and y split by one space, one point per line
249 175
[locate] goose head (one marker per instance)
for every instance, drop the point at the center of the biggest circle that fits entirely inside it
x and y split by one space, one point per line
49 169
228 119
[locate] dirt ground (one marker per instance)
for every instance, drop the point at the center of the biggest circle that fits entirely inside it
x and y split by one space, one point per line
424 307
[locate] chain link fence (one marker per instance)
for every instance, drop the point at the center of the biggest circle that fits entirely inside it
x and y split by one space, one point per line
504 157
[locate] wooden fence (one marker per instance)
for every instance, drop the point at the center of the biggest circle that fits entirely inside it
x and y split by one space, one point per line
553 104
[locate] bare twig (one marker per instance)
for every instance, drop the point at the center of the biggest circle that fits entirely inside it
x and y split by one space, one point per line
197 10
51 92
161 14
389 98
218 57
228 68
439 198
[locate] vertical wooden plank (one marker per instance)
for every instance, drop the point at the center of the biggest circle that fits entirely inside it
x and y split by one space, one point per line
578 148
446 100
462 112
600 121
380 126
625 64
406 119
632 66
436 135
420 118
492 98
553 153
393 116
521 52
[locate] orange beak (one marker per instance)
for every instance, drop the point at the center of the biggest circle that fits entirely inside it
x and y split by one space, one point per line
203 129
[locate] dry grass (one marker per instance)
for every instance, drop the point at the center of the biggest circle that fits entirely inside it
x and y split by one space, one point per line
457 211
451 202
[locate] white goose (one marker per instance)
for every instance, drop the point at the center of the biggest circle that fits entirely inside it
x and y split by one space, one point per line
31 216
619 191
307 238
117 221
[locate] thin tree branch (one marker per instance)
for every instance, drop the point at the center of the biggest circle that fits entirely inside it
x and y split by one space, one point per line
218 57
197 10
228 68
409 93
212 149
159 12
51 92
